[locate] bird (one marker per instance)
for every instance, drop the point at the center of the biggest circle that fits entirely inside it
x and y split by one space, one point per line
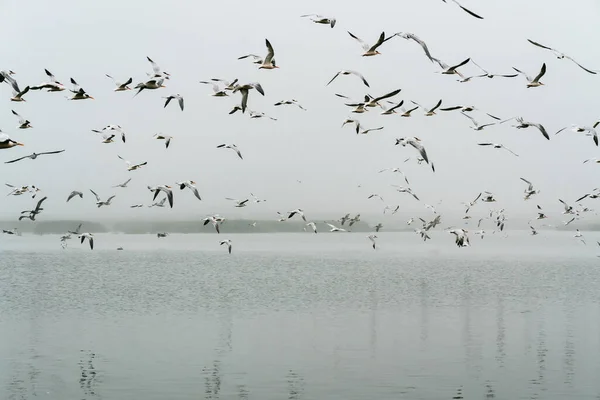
451 70
12 231
465 9
366 131
123 185
411 36
166 138
53 86
33 156
461 237
378 227
533 230
228 243
17 93
568 208
423 234
396 170
101 203
244 90
408 190
588 196
561 56
6 142
139 205
256 199
89 237
428 111
579 235
78 92
530 191
23 123
319 19
533 82
255 59
215 220
73 194
174 96
289 102
189 185
476 126
217 91
256 114
488 198
132 167
392 110
161 203
368 49
373 196
121 87
108 136
486 74
161 235
157 72
269 60
150 84
589 130
498 146
238 203
335 228
162 188
349 72
232 147
33 213
344 219
372 239
313 226
416 143
297 211
522 124
354 220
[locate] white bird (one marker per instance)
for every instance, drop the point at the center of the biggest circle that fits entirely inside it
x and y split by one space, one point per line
217 91
73 194
335 228
228 243
372 239
269 60
256 199
522 124
53 86
174 96
255 59
256 114
107 136
132 167
498 146
297 211
162 188
349 72
366 131
486 74
313 226
289 102
238 203
232 147
410 221
78 92
461 237
488 198
161 203
244 90
123 185
368 49
392 110
157 72
561 56
6 142
166 138
410 36
121 87
23 123
34 156
429 111
151 84
451 70
101 203
189 185
568 208
17 93
416 143
408 190
397 170
215 220
579 235
423 234
476 126
589 131
530 191
378 227
319 19
89 237
533 82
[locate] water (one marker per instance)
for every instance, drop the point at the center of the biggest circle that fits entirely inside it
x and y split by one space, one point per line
300 316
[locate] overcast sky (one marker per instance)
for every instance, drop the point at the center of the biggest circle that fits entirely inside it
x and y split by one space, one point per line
198 40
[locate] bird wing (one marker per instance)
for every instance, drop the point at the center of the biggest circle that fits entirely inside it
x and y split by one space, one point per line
387 95
420 148
168 101
126 162
16 159
523 73
540 45
541 129
439 103
155 66
180 100
21 119
39 204
270 52
50 152
460 64
94 193
380 41
362 43
541 73
467 10
579 65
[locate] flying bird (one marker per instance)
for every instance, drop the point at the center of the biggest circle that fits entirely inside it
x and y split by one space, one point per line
416 143
411 36
78 92
269 60
428 111
33 156
6 142
101 203
226 242
166 138
372 239
89 237
561 56
73 194
319 19
17 93
368 49
451 70
121 87
53 86
162 188
132 167
533 82
123 185
23 123
157 72
297 211
465 9
522 124
312 226
174 96
151 84
189 185
33 213
232 147
289 103
244 90
498 146
335 228
349 72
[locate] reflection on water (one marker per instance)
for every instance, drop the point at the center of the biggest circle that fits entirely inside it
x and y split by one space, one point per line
182 325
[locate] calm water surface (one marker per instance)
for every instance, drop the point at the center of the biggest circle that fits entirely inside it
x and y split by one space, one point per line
300 316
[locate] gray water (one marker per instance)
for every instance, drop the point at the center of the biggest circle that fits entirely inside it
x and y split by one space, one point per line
300 316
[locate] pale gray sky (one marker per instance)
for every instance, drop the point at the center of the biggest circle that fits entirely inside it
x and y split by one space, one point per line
195 41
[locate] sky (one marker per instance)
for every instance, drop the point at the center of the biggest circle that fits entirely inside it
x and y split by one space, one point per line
337 169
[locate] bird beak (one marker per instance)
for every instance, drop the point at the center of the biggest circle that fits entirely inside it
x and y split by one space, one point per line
193 182
162 86
92 98
19 144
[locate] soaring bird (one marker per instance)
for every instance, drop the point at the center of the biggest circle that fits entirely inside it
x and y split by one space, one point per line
33 213
132 167
451 70
162 188
174 96
416 143
561 56
89 237
53 86
429 111
313 226
465 9
23 123
121 87
228 243
123 185
335 228
349 72
244 89
78 92
151 84
269 60
189 185
101 203
533 82
498 146
73 194
232 147
166 138
372 239
319 19
368 49
157 72
289 103
33 156
297 211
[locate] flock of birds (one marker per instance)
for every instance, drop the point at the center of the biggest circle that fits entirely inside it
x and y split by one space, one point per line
385 103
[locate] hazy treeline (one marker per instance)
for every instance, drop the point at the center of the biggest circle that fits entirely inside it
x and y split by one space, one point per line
141 227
